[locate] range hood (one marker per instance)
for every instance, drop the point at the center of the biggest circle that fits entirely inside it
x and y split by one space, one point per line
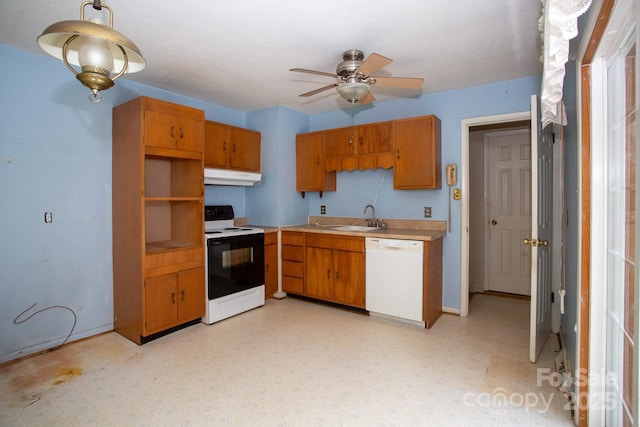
230 177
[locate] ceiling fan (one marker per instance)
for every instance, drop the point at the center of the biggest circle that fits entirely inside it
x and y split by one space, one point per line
354 77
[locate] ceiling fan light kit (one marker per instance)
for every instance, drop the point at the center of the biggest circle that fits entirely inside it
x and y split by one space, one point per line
352 92
96 48
355 76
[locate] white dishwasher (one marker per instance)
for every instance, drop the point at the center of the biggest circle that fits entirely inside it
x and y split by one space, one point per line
394 277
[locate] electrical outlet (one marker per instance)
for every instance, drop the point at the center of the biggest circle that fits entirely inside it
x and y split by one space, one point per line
427 211
48 217
323 210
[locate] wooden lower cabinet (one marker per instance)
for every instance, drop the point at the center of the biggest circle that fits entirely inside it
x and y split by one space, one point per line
270 264
432 282
292 262
331 268
173 298
334 269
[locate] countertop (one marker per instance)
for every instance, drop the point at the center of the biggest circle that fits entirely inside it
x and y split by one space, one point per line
387 233
425 230
396 229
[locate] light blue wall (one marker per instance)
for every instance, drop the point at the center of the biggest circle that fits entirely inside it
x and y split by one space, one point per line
357 189
275 201
55 155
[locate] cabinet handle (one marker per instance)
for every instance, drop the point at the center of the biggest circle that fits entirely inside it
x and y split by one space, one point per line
224 145
360 141
182 295
329 274
171 131
173 298
317 160
398 154
337 274
181 133
266 268
234 148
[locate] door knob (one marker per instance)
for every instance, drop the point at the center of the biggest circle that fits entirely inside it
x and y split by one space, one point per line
494 222
532 242
543 242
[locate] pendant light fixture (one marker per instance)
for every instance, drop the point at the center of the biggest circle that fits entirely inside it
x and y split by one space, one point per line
96 48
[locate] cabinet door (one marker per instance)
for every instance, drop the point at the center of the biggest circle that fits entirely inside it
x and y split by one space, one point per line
319 273
270 269
160 302
159 129
245 150
374 139
216 143
340 142
348 272
417 153
310 174
188 134
191 294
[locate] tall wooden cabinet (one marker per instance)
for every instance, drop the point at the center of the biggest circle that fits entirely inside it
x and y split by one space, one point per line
158 226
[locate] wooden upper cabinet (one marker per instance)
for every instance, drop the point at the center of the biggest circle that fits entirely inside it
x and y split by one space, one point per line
216 140
172 126
410 146
310 172
374 138
358 147
416 145
340 142
231 147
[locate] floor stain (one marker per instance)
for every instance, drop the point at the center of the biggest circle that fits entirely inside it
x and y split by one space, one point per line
67 374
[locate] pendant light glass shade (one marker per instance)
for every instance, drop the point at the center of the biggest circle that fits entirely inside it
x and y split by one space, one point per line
353 92
97 48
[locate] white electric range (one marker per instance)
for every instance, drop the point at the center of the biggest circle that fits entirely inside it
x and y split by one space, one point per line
234 265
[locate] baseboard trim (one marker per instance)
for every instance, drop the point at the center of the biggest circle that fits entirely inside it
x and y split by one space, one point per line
451 310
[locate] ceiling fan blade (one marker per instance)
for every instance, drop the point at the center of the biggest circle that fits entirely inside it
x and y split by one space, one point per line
320 73
372 64
367 99
401 82
322 89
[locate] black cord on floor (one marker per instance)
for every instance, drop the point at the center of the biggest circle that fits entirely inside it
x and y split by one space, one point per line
75 320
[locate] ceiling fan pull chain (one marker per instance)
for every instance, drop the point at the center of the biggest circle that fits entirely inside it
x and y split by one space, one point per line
351 120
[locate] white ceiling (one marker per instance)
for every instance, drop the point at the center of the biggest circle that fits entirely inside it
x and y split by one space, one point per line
237 53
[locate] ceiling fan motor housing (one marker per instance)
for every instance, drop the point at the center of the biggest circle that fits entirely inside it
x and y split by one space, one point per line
352 59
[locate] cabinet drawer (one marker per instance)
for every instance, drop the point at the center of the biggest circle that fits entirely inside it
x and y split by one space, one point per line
355 244
182 256
292 284
292 238
291 268
270 238
292 253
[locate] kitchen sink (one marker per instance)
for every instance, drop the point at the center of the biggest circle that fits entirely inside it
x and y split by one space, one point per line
355 228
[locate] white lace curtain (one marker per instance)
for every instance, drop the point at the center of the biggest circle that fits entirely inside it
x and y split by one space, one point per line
558 24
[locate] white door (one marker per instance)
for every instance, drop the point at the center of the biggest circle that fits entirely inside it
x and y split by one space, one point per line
541 230
508 189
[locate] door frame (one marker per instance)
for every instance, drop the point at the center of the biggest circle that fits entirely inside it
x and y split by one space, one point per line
465 126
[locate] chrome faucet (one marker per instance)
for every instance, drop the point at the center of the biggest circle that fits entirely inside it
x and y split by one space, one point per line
372 221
